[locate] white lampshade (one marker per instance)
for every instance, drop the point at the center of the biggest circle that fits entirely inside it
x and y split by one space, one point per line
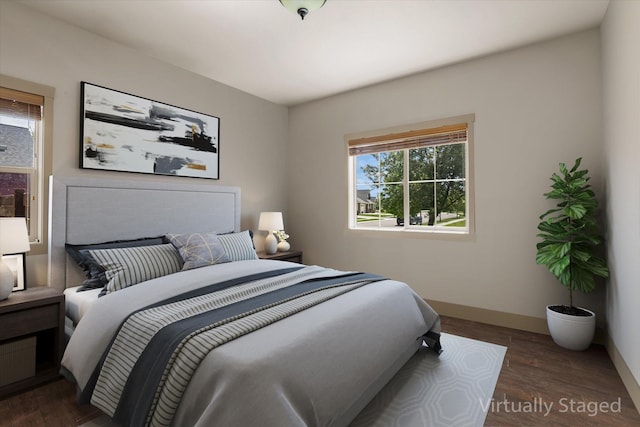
14 238
271 221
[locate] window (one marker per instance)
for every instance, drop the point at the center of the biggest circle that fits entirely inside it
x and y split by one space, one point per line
413 179
23 134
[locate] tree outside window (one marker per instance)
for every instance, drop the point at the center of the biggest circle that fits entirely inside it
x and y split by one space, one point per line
422 186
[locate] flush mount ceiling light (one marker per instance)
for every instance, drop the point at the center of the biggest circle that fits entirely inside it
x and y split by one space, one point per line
302 7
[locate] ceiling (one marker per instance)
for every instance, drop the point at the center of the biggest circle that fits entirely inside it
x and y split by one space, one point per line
259 47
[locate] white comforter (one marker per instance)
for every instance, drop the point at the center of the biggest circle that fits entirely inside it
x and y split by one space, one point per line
319 367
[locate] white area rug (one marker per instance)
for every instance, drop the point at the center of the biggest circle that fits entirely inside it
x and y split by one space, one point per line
453 389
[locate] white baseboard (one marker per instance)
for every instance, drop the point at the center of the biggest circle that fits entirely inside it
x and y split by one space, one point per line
492 317
628 379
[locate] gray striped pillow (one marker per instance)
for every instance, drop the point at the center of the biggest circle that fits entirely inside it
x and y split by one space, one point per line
128 266
238 246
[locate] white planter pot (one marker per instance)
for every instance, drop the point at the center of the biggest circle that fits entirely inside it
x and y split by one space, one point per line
571 332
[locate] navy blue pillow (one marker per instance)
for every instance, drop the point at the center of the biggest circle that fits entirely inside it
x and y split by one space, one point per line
96 277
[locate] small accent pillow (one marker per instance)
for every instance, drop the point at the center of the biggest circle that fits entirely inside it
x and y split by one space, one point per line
95 274
238 246
126 267
198 249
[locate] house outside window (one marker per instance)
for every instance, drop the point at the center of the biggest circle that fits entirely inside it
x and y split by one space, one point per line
365 203
24 161
415 178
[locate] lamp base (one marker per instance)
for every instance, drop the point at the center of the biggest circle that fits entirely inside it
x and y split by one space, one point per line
271 244
6 281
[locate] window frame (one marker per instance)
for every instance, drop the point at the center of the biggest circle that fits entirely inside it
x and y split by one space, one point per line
408 230
38 207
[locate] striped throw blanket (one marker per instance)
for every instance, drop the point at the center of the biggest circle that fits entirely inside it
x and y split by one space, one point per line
148 366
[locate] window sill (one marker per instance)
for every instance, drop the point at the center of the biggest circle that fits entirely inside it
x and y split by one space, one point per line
412 233
39 248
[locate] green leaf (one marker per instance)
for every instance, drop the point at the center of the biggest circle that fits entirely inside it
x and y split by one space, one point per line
575 211
564 249
578 182
545 255
598 268
553 228
549 212
565 278
580 174
582 280
563 169
581 255
558 266
576 165
555 194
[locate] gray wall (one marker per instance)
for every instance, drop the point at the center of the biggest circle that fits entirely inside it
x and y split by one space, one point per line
253 132
621 108
535 107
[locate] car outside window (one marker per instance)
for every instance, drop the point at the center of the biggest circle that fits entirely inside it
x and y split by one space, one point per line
416 180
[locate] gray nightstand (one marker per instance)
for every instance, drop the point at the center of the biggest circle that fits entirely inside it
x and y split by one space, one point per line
293 256
32 334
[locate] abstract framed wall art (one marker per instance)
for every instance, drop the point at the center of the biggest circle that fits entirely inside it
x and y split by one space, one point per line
127 133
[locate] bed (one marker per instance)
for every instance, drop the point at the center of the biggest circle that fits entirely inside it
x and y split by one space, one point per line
244 341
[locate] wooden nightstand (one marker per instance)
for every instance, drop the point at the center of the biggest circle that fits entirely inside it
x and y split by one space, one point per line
293 256
36 312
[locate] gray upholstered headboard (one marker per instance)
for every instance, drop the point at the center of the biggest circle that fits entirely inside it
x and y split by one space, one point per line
84 211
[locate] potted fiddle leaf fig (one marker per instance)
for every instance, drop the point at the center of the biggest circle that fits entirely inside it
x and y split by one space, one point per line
570 248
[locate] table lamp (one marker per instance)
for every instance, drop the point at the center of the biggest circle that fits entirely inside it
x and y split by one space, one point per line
271 221
14 239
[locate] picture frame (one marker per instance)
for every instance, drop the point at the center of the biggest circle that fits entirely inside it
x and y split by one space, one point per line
127 133
16 264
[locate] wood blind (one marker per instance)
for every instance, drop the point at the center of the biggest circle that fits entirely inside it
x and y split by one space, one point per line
448 134
22 105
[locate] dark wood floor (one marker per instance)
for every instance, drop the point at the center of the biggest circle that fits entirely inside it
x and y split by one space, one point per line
583 388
